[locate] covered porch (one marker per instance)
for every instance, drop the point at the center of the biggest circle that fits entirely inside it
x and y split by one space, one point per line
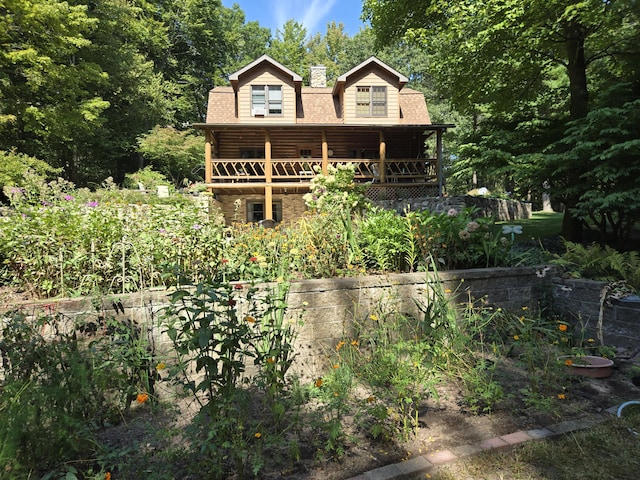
284 158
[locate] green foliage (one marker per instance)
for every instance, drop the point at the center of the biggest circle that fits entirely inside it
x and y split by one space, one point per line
216 329
61 382
383 238
14 167
601 150
458 240
176 154
337 190
76 246
148 177
598 263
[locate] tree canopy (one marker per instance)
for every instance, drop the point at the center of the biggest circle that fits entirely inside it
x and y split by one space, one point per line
530 75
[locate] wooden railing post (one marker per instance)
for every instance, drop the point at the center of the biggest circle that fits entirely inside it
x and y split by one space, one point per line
325 153
268 172
383 156
208 167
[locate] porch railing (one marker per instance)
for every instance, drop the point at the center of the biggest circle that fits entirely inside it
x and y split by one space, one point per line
421 171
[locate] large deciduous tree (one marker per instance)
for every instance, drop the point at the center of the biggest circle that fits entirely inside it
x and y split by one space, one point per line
518 65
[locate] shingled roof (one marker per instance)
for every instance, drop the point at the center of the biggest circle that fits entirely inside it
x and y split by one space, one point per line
316 106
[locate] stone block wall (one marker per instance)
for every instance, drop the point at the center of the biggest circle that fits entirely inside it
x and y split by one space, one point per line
580 301
503 210
329 308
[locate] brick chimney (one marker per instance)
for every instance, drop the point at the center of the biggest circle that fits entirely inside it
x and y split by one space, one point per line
318 76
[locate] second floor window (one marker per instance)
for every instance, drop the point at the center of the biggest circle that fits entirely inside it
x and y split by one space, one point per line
266 100
371 101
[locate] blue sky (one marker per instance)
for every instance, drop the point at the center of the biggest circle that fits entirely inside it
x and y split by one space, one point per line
313 14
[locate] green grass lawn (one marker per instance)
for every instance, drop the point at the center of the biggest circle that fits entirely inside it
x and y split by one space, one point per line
608 451
540 225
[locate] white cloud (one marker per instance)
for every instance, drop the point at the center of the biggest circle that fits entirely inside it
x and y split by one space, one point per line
310 14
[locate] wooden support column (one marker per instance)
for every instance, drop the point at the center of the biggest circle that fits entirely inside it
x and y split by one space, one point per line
383 156
208 166
268 189
325 153
439 156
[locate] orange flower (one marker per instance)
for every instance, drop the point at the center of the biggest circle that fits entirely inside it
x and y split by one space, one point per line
355 343
562 327
340 345
257 434
336 366
561 396
568 362
142 397
107 476
318 383
271 360
250 319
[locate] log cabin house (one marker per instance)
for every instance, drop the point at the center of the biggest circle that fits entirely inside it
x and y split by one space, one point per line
266 132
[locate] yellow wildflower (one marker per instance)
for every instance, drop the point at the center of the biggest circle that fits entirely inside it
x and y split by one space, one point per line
161 366
249 319
257 435
561 396
340 345
516 337
373 317
355 343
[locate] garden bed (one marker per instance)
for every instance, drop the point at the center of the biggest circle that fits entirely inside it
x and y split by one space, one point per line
445 423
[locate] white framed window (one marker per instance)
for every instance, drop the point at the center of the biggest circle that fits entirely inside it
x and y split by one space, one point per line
256 211
266 100
371 101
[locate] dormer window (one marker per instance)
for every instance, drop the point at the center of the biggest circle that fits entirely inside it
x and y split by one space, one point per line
371 101
266 100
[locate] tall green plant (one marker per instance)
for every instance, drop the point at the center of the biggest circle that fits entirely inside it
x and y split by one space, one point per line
218 329
61 382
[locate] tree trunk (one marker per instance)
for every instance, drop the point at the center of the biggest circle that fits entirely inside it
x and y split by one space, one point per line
577 70
578 106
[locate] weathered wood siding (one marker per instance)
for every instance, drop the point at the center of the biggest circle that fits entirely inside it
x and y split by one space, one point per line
268 76
370 78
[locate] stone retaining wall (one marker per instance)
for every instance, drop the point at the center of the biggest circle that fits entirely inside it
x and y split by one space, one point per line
579 300
503 210
329 308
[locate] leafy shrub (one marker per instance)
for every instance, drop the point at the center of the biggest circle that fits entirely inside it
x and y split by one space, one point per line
61 383
459 239
148 177
597 263
15 166
385 241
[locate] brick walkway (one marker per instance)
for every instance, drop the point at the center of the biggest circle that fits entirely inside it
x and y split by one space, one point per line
417 467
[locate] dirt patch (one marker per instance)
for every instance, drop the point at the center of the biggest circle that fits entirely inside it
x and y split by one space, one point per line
445 423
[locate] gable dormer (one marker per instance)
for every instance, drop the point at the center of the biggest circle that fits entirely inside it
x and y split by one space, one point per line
369 93
266 92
